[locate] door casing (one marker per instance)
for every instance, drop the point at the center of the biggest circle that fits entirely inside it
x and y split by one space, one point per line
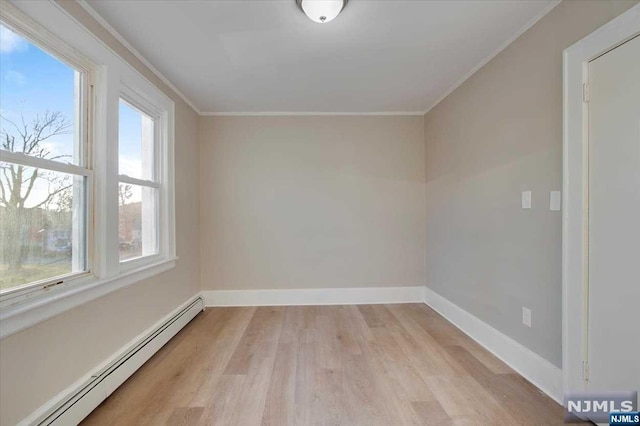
575 203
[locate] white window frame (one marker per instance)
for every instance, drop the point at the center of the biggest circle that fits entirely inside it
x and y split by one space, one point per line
50 27
159 110
38 36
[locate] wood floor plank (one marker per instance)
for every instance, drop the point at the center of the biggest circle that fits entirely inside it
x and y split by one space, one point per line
365 403
429 357
325 365
348 335
463 396
222 348
263 326
370 316
185 416
431 413
521 399
306 385
402 376
201 359
488 359
266 326
448 335
445 333
279 407
223 401
327 338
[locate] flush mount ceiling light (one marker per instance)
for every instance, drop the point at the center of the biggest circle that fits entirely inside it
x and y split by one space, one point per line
321 11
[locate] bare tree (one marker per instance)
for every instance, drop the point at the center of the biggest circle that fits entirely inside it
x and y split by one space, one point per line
17 182
125 192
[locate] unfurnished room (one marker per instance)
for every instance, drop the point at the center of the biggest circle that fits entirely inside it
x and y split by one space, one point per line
319 212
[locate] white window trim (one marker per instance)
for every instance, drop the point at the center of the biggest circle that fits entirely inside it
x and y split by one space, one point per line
37 309
51 27
42 38
160 111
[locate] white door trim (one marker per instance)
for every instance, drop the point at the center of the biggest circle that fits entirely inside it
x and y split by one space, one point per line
575 187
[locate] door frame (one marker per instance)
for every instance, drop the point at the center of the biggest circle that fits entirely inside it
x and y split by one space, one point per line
575 203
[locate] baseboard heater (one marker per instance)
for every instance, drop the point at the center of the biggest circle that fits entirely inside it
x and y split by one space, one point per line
88 395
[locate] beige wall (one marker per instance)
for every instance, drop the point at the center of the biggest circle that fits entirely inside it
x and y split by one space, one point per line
38 363
317 202
496 135
312 202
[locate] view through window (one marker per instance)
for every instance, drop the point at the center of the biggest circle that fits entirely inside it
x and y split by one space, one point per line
138 189
42 176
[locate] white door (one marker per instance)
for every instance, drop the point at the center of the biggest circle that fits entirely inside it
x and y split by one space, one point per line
614 220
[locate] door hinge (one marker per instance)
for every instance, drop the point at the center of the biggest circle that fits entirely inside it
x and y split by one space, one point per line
585 370
585 92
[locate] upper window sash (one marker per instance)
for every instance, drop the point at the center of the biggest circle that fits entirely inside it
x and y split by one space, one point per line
85 70
147 107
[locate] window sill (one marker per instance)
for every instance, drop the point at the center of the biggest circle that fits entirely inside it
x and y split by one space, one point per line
29 312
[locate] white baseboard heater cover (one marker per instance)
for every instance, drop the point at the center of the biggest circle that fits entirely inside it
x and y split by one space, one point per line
77 405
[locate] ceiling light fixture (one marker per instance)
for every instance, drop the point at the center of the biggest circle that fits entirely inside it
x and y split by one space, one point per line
321 11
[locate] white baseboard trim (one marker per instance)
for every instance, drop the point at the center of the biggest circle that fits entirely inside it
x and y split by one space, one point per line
76 402
321 296
543 374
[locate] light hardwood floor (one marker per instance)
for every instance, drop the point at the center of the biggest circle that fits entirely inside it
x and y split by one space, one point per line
325 365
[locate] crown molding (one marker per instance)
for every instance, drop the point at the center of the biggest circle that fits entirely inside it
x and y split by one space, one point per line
495 53
95 15
165 80
309 113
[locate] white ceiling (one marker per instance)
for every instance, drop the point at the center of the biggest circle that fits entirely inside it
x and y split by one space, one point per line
267 56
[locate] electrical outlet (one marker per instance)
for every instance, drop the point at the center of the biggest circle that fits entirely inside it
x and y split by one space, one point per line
526 316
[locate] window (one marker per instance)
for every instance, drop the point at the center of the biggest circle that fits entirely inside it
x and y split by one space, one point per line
86 169
44 177
138 187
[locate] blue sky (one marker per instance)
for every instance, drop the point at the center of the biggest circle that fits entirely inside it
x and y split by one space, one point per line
32 82
130 130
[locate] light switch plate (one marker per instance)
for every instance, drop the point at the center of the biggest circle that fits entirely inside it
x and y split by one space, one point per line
555 201
526 199
526 316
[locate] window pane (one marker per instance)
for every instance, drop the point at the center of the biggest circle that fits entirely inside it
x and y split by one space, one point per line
138 221
135 142
39 101
42 230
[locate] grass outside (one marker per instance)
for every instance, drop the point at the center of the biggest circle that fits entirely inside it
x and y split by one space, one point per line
30 273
